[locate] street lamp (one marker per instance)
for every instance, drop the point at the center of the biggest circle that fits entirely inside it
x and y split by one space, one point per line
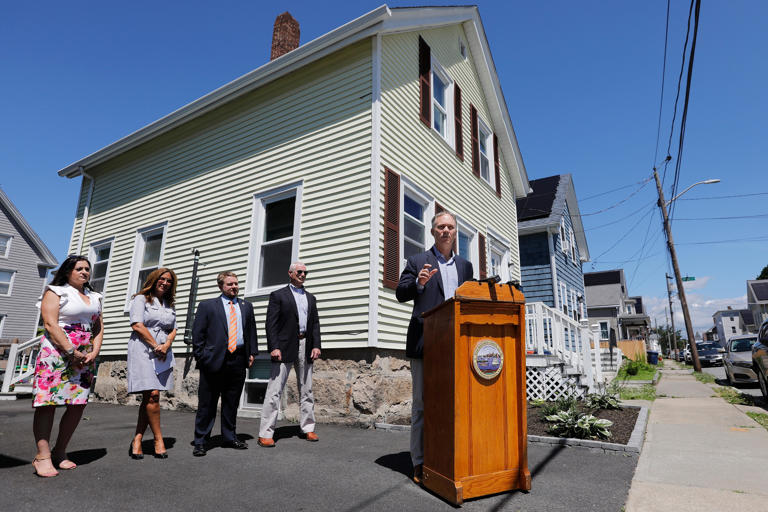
705 182
673 255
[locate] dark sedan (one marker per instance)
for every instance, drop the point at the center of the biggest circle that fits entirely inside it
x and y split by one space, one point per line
710 354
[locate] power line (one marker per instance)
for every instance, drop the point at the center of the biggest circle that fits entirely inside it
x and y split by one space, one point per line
644 183
663 79
758 216
642 208
630 231
722 197
736 240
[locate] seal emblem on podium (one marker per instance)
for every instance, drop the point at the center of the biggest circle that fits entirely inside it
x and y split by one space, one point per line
487 359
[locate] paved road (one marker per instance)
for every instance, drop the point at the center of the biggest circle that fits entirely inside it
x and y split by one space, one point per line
719 373
350 469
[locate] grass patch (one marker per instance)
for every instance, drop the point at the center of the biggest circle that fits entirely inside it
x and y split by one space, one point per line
732 396
646 392
706 378
642 374
759 417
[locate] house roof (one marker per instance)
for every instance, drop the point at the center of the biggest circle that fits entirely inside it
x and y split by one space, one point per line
603 277
758 290
747 316
47 257
543 208
381 20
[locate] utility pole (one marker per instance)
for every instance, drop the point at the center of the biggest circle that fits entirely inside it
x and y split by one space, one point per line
672 317
678 277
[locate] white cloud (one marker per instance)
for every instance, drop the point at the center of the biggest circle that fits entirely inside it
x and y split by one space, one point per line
700 306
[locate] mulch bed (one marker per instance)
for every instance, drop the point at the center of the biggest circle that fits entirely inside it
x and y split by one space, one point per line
623 423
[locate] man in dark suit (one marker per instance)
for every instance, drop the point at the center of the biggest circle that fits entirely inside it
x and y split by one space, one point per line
293 339
224 344
429 278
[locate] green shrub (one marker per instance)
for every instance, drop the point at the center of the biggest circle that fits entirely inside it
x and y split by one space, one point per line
633 367
571 423
606 399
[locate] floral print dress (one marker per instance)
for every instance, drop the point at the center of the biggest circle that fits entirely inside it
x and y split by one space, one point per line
56 381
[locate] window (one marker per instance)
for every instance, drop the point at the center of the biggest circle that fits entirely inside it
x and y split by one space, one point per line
563 237
564 298
467 247
442 99
6 281
733 329
147 255
604 334
99 254
2 321
414 223
572 245
275 237
629 309
5 245
498 255
485 139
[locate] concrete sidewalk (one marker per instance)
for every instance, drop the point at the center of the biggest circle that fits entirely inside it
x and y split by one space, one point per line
700 453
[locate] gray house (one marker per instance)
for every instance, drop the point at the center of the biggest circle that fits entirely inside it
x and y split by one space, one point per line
619 316
24 264
757 300
553 246
732 322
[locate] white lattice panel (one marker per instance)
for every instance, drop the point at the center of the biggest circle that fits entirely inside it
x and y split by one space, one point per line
548 383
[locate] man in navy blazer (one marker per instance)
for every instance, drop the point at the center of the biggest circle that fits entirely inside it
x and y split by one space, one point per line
224 344
293 339
429 278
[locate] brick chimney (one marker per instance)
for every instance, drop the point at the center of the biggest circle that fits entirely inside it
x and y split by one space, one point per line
285 36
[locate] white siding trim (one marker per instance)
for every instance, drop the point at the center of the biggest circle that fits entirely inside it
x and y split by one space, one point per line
2 321
429 210
373 272
92 257
506 259
552 262
296 189
86 209
10 283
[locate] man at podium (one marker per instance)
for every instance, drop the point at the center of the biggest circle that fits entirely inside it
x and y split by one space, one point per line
429 278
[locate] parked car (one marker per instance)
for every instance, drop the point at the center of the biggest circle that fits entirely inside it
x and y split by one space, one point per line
738 360
760 358
710 353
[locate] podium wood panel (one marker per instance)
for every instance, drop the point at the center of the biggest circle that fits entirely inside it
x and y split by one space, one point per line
475 432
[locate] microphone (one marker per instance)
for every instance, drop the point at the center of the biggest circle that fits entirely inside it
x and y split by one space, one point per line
492 279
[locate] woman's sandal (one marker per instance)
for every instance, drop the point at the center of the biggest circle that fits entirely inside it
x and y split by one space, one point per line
62 463
43 475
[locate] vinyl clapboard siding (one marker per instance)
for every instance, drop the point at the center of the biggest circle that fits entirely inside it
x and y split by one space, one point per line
313 126
421 156
567 271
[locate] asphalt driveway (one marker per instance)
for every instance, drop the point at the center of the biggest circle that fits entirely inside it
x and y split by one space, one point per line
350 469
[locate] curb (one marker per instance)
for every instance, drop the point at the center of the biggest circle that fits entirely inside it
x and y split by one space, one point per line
634 445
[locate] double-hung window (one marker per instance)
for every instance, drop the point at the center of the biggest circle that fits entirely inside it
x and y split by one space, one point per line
442 102
5 245
147 255
604 334
485 140
498 258
414 223
6 281
99 255
275 237
466 238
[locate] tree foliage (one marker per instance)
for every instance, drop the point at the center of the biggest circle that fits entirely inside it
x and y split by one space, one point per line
665 334
764 273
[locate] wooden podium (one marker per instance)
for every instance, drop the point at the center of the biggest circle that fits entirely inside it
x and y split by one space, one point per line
475 430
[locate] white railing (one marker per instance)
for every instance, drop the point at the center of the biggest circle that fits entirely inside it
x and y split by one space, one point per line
550 332
21 362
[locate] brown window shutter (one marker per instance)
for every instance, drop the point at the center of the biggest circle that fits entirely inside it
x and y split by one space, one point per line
475 141
482 255
496 164
425 66
438 208
458 122
391 229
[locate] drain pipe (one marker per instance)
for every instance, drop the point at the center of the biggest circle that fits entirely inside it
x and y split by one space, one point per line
85 210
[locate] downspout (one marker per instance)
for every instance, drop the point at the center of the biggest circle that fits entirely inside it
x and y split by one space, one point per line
85 210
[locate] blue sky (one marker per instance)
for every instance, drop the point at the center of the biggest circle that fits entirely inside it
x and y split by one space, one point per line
582 82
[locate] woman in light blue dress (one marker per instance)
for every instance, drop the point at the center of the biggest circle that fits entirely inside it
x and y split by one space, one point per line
150 358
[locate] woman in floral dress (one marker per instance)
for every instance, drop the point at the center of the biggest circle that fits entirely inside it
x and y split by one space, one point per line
65 366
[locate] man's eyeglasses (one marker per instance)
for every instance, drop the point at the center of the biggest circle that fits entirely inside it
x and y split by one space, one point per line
300 272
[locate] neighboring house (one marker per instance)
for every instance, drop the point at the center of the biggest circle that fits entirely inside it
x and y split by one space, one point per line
618 316
730 322
24 264
757 300
710 334
337 153
553 246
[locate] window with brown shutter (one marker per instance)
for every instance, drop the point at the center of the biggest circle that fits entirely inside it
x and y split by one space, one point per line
482 256
475 140
391 229
496 164
458 122
425 65
438 208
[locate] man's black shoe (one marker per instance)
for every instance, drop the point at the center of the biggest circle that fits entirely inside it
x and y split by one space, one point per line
199 451
236 444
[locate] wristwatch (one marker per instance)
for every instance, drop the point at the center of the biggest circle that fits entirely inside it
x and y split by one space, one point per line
71 352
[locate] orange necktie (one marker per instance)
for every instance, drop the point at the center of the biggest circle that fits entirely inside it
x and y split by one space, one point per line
232 344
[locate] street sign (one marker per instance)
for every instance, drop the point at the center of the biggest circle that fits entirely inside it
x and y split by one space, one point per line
686 278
